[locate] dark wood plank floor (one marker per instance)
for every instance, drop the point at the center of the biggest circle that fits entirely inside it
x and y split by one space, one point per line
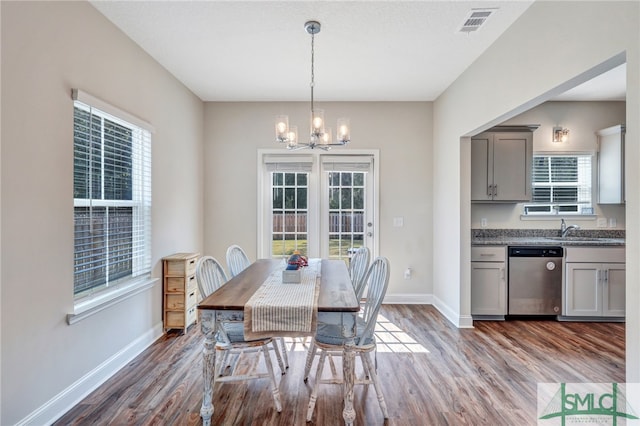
432 373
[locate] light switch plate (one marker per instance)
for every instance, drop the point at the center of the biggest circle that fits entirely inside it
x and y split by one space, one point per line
398 222
612 222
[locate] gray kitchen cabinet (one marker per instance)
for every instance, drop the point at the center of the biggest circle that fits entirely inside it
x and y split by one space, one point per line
501 165
611 165
594 282
488 282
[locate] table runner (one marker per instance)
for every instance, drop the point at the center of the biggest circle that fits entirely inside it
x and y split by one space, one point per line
278 309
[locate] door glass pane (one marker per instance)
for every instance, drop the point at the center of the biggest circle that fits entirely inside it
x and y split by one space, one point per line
289 213
346 213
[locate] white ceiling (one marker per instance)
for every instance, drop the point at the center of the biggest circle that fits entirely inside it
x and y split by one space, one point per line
366 51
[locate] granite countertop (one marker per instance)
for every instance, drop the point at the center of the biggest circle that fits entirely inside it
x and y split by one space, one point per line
546 237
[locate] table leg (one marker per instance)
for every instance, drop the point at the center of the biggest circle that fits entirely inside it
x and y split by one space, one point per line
208 327
348 367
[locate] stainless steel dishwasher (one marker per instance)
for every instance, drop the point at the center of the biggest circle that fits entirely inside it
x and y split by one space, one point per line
535 280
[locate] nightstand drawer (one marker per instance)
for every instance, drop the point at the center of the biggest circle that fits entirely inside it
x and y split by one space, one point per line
175 285
174 302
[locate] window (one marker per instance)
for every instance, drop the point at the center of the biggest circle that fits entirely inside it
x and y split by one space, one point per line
112 197
561 184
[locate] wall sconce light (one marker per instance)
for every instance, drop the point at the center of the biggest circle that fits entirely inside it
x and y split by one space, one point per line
560 134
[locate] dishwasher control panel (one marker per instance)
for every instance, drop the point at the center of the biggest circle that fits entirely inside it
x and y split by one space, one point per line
536 251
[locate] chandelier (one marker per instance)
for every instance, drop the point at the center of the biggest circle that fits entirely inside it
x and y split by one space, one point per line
319 136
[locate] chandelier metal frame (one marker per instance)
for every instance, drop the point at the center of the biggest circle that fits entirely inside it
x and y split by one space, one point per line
319 137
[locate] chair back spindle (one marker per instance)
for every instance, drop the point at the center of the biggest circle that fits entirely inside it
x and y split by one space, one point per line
358 269
377 281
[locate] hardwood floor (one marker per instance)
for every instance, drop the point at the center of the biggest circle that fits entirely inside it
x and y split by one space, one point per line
432 374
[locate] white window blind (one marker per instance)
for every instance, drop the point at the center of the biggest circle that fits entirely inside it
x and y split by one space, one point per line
347 163
288 163
561 184
112 197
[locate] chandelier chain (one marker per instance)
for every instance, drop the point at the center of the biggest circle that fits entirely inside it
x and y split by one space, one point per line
312 66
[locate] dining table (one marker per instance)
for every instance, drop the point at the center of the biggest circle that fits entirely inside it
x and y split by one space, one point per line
336 304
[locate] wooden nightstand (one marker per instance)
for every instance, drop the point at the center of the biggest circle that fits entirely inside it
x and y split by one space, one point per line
180 290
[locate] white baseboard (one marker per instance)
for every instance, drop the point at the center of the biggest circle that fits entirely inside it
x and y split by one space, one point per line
68 398
460 321
408 299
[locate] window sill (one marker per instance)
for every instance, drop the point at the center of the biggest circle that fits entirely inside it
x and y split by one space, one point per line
94 304
558 216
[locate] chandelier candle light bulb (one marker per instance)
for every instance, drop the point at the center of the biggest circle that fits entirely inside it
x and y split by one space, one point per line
292 136
318 136
317 122
282 128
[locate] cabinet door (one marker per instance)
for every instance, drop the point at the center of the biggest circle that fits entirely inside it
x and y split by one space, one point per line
488 288
611 165
582 291
480 180
512 156
613 290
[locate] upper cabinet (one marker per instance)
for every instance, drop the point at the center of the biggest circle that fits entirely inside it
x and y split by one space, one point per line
611 165
501 161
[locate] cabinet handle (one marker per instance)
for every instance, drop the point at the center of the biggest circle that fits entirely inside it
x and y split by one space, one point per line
502 273
487 254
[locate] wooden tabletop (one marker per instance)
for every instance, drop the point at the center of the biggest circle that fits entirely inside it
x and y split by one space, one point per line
336 290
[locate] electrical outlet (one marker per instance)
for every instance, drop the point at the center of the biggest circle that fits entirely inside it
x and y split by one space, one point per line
602 222
612 222
407 274
398 222
483 222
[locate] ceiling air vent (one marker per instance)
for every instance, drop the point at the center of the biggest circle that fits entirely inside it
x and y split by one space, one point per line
475 19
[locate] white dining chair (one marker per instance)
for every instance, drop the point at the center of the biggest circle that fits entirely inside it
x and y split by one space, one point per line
328 339
230 335
238 261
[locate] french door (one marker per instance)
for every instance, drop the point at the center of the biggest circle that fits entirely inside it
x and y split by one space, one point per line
323 205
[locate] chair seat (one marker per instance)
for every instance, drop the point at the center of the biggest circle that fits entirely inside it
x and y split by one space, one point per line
331 334
235 332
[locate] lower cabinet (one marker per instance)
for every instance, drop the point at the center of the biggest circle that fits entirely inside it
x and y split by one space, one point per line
488 282
594 282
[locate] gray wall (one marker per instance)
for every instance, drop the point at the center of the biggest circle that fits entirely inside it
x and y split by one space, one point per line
47 49
400 130
583 119
552 47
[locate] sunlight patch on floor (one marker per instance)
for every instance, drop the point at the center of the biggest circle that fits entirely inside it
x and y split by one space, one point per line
389 337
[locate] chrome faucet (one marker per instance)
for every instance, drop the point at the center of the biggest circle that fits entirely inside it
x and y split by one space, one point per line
564 229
